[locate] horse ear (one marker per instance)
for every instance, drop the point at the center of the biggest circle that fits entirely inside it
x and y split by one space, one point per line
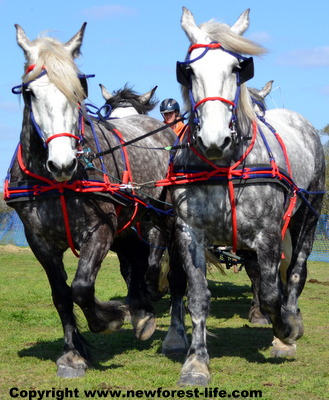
74 44
242 23
266 89
145 98
22 40
193 32
105 93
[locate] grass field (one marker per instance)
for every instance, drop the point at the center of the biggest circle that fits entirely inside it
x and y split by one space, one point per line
32 339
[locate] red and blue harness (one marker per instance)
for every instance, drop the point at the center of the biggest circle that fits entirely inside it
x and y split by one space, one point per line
39 186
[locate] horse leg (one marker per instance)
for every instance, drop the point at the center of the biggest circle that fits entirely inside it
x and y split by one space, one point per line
75 359
135 261
272 295
176 341
302 228
102 317
252 268
190 243
158 265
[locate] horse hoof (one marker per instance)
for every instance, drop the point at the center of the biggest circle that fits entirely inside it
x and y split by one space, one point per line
144 326
195 371
112 327
175 343
259 321
64 371
257 317
193 379
71 365
281 349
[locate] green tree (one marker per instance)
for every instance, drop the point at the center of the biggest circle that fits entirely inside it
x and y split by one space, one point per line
3 205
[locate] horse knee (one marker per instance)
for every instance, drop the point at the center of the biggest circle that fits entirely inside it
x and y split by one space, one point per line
270 302
199 305
82 293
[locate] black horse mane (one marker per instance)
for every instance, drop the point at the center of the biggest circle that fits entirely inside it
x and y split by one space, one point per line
132 99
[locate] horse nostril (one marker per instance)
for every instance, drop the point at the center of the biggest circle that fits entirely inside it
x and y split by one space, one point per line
226 143
71 168
51 166
64 171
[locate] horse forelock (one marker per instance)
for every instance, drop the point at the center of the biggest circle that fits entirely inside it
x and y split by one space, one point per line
60 66
222 34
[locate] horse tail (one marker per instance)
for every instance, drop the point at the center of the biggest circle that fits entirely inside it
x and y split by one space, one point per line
213 262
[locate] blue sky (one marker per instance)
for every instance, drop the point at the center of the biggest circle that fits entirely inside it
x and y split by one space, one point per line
139 42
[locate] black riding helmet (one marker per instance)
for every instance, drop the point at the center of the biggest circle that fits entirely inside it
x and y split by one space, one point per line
169 105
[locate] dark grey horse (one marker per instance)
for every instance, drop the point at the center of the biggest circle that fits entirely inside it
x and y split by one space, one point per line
125 102
67 194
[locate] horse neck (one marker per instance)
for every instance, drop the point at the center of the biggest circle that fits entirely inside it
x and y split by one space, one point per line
106 140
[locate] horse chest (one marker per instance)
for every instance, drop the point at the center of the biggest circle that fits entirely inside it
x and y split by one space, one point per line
208 208
201 206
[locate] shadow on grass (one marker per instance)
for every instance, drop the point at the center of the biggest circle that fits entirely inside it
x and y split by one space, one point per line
102 348
228 300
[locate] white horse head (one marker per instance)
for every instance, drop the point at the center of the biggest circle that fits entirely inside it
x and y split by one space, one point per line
126 102
214 60
53 91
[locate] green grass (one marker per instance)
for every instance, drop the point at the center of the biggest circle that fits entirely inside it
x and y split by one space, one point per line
31 338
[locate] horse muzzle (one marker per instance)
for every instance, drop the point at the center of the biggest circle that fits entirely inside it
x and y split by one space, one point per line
62 172
213 151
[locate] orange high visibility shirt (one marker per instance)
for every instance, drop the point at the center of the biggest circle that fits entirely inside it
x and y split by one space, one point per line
179 129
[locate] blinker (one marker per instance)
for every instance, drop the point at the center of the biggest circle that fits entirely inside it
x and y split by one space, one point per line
183 74
246 70
84 84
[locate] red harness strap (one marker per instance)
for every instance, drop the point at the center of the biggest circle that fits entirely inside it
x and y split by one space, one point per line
231 172
58 185
127 177
231 188
79 187
64 134
231 103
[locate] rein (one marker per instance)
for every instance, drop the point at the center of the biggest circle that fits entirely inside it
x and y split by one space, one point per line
132 141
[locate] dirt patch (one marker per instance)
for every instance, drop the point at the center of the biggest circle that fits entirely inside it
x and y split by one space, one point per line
10 248
325 283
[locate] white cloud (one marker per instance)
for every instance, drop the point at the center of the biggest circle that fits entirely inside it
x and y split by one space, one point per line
314 57
108 11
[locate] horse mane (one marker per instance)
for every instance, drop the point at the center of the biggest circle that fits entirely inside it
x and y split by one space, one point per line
60 66
130 96
219 32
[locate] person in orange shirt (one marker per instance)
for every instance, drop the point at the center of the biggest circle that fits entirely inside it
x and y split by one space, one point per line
170 111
